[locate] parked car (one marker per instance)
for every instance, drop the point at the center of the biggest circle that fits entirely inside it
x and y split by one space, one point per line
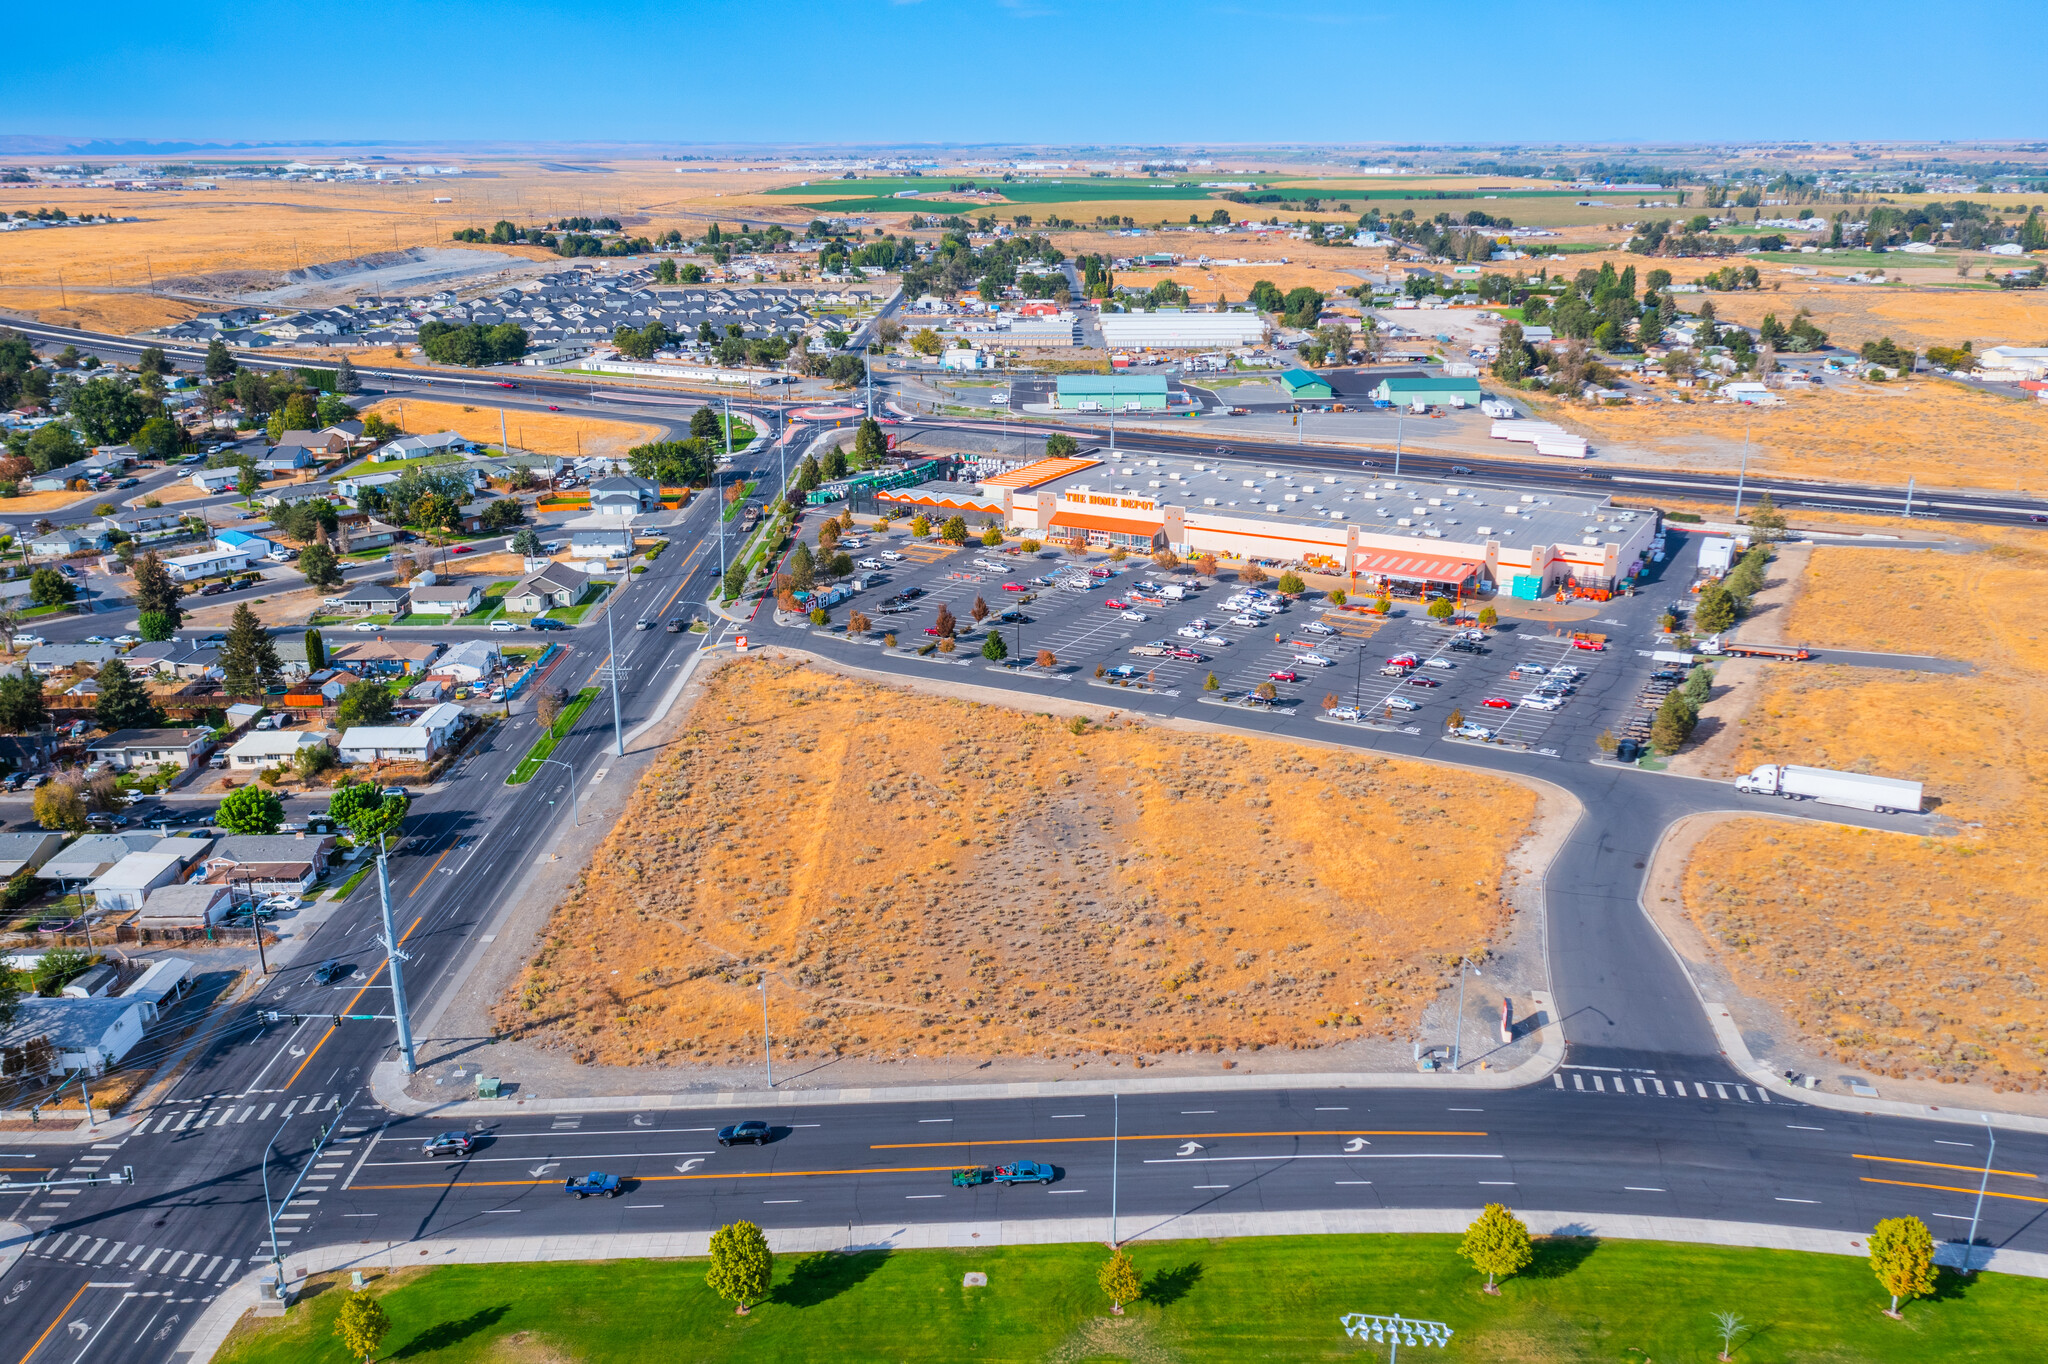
1284 675
892 556
1472 731
1016 587
1317 627
1342 713
504 627
1138 616
447 1144
1422 680
1242 618
753 1131
364 627
1498 703
1315 660
539 623
1403 703
1536 702
872 562
1116 604
1443 664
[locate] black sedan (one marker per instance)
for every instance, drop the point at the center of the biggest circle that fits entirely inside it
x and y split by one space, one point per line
753 1130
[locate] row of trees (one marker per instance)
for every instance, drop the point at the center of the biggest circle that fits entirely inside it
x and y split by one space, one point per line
472 344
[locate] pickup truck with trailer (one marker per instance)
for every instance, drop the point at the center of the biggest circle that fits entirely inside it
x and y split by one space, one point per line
1157 649
596 1182
1025 1172
1789 653
1852 789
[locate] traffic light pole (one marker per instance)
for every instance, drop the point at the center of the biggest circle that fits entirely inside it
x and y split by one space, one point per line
393 956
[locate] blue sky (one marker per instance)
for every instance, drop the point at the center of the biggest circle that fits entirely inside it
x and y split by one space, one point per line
1052 71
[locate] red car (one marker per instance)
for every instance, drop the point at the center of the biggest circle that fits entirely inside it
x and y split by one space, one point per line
1589 645
1285 675
503 383
460 549
931 629
1101 573
1016 587
1420 681
1403 661
1190 656
1498 703
1111 602
553 408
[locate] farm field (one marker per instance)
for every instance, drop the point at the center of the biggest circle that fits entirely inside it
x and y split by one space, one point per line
547 433
1909 957
1226 1301
927 876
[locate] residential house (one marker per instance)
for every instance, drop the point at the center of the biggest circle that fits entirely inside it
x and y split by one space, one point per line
26 852
371 599
366 532
46 659
251 849
91 856
162 979
194 904
414 447
352 486
556 585
121 888
60 543
56 481
81 1034
143 524
607 543
255 880
350 434
216 480
299 492
418 741
261 748
128 749
174 658
471 660
251 546
447 599
284 459
318 444
624 496
384 656
208 563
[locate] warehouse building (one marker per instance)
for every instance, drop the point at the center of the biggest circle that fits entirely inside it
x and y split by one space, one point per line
1166 330
1430 391
1411 536
1301 383
1111 393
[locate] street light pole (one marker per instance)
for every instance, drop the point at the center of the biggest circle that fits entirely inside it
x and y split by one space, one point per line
1743 475
1458 1036
1970 1248
767 1047
1115 1133
575 817
393 956
612 667
1399 417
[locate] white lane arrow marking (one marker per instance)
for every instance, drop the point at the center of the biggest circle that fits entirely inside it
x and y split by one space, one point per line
689 1165
1189 1148
639 1121
297 1051
1356 1144
540 1170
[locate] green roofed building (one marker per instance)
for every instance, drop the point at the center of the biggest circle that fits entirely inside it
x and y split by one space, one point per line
1439 391
1107 392
1301 383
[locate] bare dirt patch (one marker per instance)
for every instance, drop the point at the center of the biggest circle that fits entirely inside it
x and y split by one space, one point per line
924 876
1917 958
547 433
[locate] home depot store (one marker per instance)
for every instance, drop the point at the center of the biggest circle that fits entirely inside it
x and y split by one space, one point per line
1409 535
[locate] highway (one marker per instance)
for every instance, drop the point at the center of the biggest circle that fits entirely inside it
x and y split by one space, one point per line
1646 1116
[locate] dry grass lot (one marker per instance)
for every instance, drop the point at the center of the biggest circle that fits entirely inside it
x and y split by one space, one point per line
1945 434
928 876
547 433
1917 958
1919 318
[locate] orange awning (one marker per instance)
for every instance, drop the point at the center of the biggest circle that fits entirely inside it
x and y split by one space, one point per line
1414 567
1111 525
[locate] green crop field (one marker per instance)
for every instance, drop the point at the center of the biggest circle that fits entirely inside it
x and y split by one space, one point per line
1226 1301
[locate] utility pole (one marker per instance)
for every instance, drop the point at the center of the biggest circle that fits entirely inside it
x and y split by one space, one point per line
1399 417
393 956
1458 1036
767 1047
1116 1114
1970 1248
1909 495
504 446
612 668
1743 475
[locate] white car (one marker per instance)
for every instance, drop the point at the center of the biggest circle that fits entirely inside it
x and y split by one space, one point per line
870 562
1200 623
1402 703
892 556
1189 632
1444 664
1535 702
1316 627
1217 640
365 626
127 639
1315 660
503 627
282 903
1342 713
1244 620
1268 608
1138 616
30 640
1533 669
1472 731
999 399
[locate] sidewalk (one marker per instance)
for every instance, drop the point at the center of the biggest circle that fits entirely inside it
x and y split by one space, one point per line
211 1329
387 1087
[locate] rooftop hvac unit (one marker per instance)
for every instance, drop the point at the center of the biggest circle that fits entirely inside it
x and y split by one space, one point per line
1403 521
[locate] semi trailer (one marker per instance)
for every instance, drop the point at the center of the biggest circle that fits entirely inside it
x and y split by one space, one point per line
1853 789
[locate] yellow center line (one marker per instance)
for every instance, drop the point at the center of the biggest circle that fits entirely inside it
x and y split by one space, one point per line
1946 1188
357 999
1159 1136
652 1179
1938 1165
430 870
53 1324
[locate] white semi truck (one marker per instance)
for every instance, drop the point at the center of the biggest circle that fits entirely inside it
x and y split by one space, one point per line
1853 789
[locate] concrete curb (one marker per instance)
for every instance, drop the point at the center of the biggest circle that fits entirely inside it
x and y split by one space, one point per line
660 713
206 1335
387 1087
14 1239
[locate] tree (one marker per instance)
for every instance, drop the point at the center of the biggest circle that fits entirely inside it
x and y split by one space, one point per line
979 610
1497 1244
1047 659
1488 617
1699 686
158 438
48 587
1291 584
839 565
21 702
367 812
1727 1324
248 482
835 463
316 651
345 380
122 703
549 705
945 623
1716 609
251 810
954 532
320 566
1902 1257
503 513
361 1324
858 624
60 805
1441 609
1673 723
1266 691
1206 565
803 568
362 703
741 1264
220 363
992 647
925 341
992 537
704 424
1210 683
108 411
920 526
1251 575
870 446
1060 445
1766 522
1119 1281
248 658
527 542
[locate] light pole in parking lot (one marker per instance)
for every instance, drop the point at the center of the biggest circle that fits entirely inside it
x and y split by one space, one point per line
1458 1035
1398 419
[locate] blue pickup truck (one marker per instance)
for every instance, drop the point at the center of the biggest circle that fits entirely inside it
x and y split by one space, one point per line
596 1182
1025 1172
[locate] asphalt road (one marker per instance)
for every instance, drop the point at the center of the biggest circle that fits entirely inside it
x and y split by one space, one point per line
118 1273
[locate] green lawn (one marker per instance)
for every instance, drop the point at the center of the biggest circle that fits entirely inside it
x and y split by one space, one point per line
545 744
352 620
1228 1301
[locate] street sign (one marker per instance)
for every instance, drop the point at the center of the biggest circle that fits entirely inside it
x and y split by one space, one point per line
739 642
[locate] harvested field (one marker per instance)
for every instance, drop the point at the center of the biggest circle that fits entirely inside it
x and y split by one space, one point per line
1919 958
923 876
547 433
1946 434
1912 317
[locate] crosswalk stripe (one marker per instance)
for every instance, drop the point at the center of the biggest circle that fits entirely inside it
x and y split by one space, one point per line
229 1272
245 1113
135 1252
207 1273
1660 1087
150 1261
1578 1082
182 1121
114 1252
289 1107
1557 1079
